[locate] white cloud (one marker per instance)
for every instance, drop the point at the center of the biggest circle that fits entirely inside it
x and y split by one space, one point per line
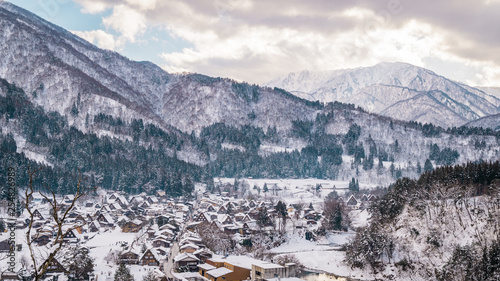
127 21
257 40
93 6
101 38
142 4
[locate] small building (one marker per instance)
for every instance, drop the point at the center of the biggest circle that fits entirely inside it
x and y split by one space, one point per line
150 258
189 248
133 226
160 242
71 236
129 257
42 240
5 246
265 271
187 260
94 226
203 254
352 202
56 267
105 220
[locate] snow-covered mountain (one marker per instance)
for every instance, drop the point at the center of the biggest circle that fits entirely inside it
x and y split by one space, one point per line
63 71
398 90
492 91
492 122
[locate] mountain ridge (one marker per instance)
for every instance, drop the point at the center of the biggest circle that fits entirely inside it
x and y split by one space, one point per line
65 68
349 85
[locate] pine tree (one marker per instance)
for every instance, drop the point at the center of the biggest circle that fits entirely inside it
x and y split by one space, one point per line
428 165
282 212
354 185
235 184
123 273
263 218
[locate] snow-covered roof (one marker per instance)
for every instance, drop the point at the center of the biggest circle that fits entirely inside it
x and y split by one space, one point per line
245 262
190 239
153 251
184 256
201 251
190 245
137 221
285 279
206 266
218 272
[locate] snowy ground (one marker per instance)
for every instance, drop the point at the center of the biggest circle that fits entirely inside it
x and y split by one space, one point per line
104 243
323 255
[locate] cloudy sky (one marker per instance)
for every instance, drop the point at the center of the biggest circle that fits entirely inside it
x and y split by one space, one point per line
258 40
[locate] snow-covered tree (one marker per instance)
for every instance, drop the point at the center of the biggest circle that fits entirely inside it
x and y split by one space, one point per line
81 263
150 277
123 273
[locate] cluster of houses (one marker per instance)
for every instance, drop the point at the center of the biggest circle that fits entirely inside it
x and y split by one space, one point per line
164 222
194 257
156 216
240 216
358 203
244 268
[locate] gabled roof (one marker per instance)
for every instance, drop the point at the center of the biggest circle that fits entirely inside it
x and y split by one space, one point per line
202 251
108 218
352 200
185 256
153 251
190 245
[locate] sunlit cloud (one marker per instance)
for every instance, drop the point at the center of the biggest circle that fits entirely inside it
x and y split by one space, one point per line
257 40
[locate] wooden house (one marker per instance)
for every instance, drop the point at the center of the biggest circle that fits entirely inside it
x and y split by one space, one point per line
94 226
187 260
189 248
203 254
160 243
42 240
130 257
133 226
5 246
105 220
56 267
150 258
38 215
352 202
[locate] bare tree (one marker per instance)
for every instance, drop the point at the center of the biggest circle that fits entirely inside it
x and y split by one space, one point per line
59 217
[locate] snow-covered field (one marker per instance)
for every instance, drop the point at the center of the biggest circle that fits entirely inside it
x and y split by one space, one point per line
294 191
323 255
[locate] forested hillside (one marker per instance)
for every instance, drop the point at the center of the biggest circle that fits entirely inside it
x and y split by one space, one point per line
443 226
140 164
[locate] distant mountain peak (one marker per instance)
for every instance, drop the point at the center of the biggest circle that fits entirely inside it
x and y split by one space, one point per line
378 89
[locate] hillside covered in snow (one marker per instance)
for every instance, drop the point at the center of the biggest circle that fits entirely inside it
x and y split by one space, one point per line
397 90
68 104
442 227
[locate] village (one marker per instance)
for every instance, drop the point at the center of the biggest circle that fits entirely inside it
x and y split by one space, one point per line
224 236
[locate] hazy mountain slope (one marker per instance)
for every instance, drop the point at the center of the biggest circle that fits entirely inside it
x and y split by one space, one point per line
61 69
492 122
492 91
373 89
